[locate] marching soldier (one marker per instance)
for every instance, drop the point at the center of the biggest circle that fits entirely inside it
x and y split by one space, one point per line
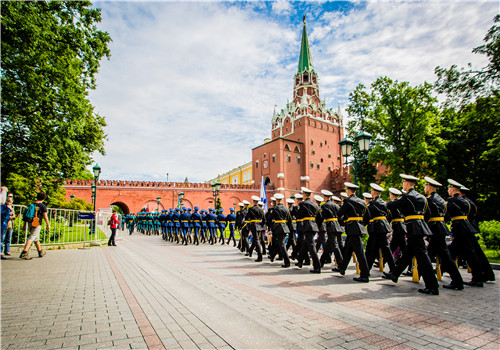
268 218
177 224
300 237
413 207
463 232
351 213
221 224
255 217
196 221
338 235
378 227
211 223
397 221
292 225
204 226
307 217
280 218
321 225
239 224
488 274
245 232
329 213
437 242
231 223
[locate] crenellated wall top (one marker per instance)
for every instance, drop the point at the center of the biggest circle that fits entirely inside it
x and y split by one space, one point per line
157 184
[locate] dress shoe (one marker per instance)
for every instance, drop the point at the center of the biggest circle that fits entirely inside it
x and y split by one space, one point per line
285 265
336 269
279 259
3 257
272 259
315 271
474 284
429 291
390 276
8 254
246 254
298 264
258 260
307 263
361 279
453 286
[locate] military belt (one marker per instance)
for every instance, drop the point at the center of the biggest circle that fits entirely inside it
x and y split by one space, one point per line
331 219
459 218
211 220
185 220
231 222
294 220
436 218
254 221
414 217
279 221
354 218
398 220
306 219
376 218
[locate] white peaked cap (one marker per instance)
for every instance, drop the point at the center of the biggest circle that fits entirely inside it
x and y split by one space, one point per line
377 187
255 198
343 194
326 193
454 183
260 203
305 190
246 202
298 196
432 182
273 199
395 191
290 201
350 185
318 198
409 177
367 195
241 204
336 199
279 196
463 188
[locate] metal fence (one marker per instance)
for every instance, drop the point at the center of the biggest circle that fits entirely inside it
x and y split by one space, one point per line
67 226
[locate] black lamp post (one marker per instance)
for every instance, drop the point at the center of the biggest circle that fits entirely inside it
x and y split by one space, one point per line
215 192
158 199
179 200
346 144
97 171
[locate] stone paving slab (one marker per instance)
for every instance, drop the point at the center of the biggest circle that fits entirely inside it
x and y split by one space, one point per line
150 294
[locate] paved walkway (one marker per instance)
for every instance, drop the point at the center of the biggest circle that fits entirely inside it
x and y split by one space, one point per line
147 293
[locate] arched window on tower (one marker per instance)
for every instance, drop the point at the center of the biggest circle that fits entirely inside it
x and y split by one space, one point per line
287 148
306 77
296 150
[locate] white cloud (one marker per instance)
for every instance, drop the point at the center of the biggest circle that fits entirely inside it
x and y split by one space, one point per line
190 87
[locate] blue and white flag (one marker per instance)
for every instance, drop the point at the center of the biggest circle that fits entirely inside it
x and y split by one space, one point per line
263 195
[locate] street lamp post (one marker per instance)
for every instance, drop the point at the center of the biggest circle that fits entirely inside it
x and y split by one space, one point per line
363 139
215 192
97 171
72 196
158 199
179 200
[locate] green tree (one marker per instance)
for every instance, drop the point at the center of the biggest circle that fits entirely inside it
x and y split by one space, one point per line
51 51
470 120
404 122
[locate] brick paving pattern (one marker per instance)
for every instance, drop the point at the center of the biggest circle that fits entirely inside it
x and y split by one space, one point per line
150 294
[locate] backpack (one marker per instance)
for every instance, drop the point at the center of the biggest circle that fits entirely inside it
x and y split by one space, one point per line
29 213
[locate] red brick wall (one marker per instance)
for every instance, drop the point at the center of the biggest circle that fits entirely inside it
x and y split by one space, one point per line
131 196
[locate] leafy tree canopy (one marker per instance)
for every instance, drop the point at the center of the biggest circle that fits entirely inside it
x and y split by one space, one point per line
51 51
404 122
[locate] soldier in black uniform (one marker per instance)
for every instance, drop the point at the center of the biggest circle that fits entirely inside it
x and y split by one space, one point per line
321 241
239 224
297 252
376 219
338 235
463 232
273 247
280 218
351 213
292 225
437 242
413 206
397 221
329 213
254 218
245 232
488 274
307 218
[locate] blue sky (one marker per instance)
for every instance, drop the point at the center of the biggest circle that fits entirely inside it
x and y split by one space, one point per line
191 86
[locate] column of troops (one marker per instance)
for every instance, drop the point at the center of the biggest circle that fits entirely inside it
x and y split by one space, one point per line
416 225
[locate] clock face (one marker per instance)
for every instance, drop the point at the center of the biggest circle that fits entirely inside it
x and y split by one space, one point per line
265 164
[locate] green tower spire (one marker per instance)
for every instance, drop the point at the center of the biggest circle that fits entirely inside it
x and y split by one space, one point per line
305 61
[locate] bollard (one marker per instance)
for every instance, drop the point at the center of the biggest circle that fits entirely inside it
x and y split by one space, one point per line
358 271
415 277
439 274
380 261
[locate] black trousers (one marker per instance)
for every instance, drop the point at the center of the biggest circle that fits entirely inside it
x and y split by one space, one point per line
372 251
487 271
309 246
353 244
331 246
416 248
437 247
281 245
256 243
292 241
321 241
463 245
338 236
111 240
398 241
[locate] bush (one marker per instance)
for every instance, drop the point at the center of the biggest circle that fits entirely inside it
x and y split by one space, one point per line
490 232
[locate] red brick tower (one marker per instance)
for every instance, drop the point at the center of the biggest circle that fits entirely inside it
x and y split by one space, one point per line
304 148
